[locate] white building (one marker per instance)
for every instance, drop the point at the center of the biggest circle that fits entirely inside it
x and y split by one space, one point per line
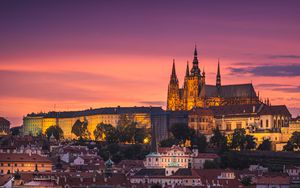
176 157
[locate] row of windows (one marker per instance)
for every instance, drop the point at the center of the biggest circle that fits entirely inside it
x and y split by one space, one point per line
201 120
16 164
168 160
229 128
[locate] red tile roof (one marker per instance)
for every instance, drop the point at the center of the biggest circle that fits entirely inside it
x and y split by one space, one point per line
22 157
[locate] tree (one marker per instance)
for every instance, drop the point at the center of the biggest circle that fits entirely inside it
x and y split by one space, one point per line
129 131
295 140
249 142
103 131
242 141
56 131
218 140
140 135
246 181
288 147
180 131
169 142
266 145
15 131
238 139
200 142
208 164
80 129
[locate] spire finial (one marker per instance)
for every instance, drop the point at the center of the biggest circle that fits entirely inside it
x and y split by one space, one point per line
195 51
173 68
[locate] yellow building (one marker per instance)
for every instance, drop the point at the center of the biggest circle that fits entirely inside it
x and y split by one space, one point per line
196 93
38 123
12 162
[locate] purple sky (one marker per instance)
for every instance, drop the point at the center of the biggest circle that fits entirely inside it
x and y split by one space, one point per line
81 54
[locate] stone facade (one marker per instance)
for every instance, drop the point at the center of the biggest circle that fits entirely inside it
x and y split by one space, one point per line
196 93
35 124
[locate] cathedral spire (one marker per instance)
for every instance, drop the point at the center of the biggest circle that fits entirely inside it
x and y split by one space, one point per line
195 52
173 69
195 70
173 75
218 81
187 73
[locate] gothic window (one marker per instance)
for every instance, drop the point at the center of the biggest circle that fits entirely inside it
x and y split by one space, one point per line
239 125
267 123
261 123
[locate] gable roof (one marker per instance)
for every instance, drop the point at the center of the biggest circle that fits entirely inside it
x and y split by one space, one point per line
231 91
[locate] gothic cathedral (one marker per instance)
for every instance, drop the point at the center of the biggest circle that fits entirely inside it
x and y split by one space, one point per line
196 93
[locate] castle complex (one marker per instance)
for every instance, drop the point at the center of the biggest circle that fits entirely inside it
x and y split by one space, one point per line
196 93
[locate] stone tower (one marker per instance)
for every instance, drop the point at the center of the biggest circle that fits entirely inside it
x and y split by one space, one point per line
173 102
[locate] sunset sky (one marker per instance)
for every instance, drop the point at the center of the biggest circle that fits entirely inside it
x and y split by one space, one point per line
73 55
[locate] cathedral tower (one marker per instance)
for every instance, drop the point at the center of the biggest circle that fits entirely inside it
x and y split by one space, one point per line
173 102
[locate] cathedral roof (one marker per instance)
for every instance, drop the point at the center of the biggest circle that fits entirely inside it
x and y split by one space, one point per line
230 91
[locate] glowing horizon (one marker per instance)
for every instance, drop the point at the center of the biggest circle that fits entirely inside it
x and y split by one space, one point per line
97 54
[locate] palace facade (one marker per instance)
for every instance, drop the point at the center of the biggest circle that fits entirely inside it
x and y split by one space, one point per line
37 123
196 93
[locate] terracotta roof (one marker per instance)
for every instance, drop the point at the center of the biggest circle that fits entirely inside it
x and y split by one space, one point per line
4 179
22 157
273 180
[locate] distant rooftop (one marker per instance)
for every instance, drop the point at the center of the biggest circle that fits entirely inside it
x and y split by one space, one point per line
106 110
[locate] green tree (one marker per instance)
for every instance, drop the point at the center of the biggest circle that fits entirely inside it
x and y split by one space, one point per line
200 142
56 131
102 131
180 131
80 129
266 145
